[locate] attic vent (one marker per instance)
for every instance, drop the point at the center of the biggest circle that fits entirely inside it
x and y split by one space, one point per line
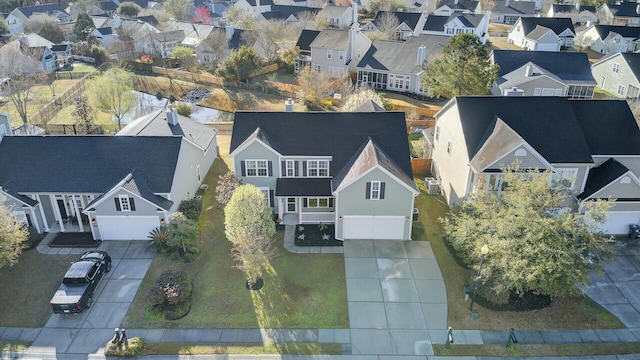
520 153
625 180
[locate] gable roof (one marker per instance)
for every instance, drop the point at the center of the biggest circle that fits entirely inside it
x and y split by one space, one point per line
284 11
49 9
601 176
459 4
306 38
604 31
93 164
409 18
331 39
560 8
514 7
609 126
35 40
526 73
369 106
557 25
624 9
155 124
435 22
568 66
333 11
401 56
539 32
552 129
105 30
340 135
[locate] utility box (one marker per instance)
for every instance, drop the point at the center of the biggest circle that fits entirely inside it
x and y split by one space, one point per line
634 231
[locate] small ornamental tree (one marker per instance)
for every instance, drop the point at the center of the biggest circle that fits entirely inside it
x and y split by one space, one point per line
83 113
12 236
170 294
129 9
203 15
239 64
83 26
249 226
226 186
359 97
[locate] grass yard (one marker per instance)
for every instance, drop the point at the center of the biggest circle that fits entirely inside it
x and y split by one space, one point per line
537 350
30 284
268 349
40 95
564 313
300 291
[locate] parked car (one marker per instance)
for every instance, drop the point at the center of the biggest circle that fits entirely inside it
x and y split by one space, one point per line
76 291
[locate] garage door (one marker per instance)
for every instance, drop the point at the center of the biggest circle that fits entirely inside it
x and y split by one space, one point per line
618 222
126 227
547 47
373 227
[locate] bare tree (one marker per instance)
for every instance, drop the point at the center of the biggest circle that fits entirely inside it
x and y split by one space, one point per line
215 46
22 72
178 9
83 113
33 24
313 87
386 24
239 18
269 37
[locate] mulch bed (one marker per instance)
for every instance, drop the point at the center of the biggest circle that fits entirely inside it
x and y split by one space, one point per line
74 239
311 235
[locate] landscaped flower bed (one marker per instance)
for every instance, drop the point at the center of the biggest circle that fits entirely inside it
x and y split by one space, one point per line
316 235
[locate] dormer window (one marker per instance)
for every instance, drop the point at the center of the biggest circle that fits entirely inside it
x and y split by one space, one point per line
317 168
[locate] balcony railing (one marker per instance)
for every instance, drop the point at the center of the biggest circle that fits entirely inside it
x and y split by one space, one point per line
317 217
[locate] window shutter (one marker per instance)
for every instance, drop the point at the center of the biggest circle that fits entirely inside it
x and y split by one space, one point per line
283 165
243 169
270 169
295 165
117 204
330 202
304 202
381 190
132 204
271 195
368 193
304 168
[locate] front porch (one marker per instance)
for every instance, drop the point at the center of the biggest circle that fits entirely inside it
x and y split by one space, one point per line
308 218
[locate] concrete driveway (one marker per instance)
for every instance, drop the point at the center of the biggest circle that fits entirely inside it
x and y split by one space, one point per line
396 295
618 288
88 331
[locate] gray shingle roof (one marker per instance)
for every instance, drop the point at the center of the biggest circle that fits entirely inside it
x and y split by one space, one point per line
331 39
86 164
548 124
538 32
401 56
461 4
49 9
369 106
155 124
625 31
558 25
514 8
340 135
602 176
303 187
306 38
560 8
568 66
624 9
409 18
435 22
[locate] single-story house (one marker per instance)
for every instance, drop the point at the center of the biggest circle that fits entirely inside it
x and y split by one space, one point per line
313 167
542 34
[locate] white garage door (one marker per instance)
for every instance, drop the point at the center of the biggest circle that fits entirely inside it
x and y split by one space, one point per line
373 227
547 47
126 227
618 222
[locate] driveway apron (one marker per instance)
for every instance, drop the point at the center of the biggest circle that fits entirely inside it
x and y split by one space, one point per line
396 296
88 331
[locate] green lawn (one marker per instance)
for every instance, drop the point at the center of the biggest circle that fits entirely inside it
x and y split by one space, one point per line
564 313
300 291
29 285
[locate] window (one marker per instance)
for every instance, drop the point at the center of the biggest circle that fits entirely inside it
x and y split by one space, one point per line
317 202
621 90
265 192
449 147
329 54
341 55
125 203
437 133
566 177
290 168
616 67
317 168
198 173
256 168
537 91
375 190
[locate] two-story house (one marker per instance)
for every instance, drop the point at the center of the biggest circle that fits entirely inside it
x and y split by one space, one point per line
349 169
624 13
254 7
338 51
458 23
19 16
398 65
542 34
30 49
475 137
619 74
607 39
579 14
409 23
509 11
340 17
116 187
543 73
303 58
450 7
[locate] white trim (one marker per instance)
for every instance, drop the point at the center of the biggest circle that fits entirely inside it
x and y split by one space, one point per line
522 144
385 171
248 142
119 187
125 204
44 218
257 175
378 190
616 180
318 168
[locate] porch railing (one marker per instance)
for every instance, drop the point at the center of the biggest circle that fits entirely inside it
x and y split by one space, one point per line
317 218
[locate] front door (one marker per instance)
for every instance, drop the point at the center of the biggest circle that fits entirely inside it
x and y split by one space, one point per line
63 209
291 205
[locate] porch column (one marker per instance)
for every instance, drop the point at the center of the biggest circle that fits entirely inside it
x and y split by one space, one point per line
94 227
76 210
34 219
56 211
299 208
44 218
281 208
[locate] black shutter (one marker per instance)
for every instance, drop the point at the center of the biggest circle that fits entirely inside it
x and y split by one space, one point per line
117 204
271 194
330 202
132 204
304 168
284 168
243 169
304 202
269 167
381 190
296 168
368 194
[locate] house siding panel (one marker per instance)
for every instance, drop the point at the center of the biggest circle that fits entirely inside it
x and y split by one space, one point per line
531 161
143 208
185 181
619 190
256 151
625 206
623 77
541 83
397 200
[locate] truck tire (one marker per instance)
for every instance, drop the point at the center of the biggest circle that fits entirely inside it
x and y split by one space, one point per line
108 267
89 302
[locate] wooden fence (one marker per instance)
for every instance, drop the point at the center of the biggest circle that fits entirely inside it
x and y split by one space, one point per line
420 111
60 129
223 127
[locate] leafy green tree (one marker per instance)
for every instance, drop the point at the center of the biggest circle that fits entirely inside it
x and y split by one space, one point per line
240 63
250 227
113 93
129 9
51 31
463 69
83 26
12 236
536 244
4 28
83 113
183 109
181 52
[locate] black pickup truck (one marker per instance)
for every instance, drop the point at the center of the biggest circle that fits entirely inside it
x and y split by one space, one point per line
76 291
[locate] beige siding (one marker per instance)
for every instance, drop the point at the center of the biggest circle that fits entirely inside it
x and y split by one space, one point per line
542 83
530 161
625 206
620 190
